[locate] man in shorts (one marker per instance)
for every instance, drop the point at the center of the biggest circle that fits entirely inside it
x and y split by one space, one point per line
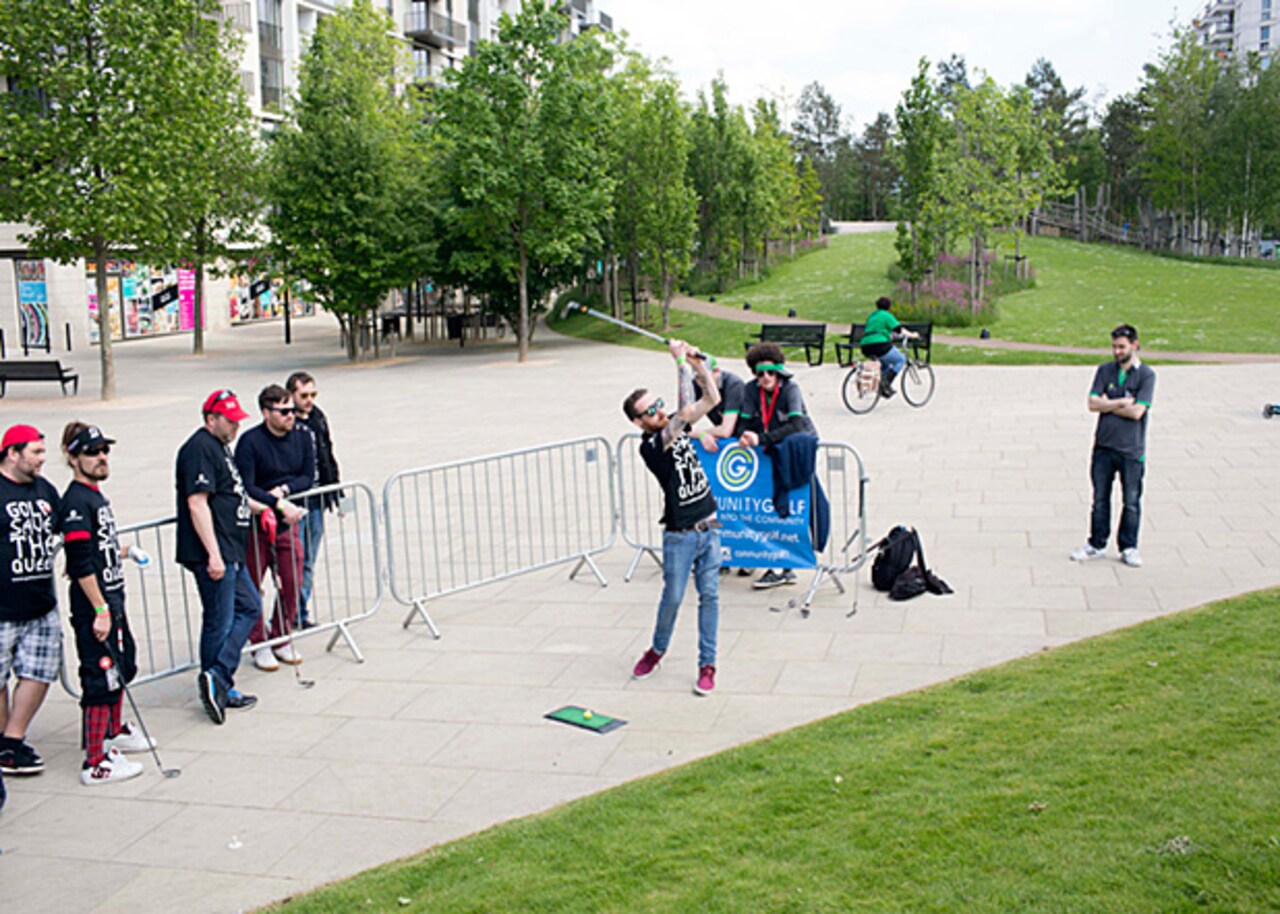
30 634
214 517
691 538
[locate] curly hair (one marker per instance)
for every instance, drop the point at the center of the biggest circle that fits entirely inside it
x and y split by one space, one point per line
770 353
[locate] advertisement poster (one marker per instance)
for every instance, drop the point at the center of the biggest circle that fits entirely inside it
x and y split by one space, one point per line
261 299
145 300
753 535
33 303
114 311
186 299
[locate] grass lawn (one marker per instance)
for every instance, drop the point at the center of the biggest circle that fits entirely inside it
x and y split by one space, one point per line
1135 772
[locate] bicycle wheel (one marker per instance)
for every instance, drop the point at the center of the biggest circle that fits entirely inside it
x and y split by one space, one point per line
917 383
858 401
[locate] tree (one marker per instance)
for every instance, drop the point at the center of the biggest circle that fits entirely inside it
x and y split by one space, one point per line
1123 126
347 203
91 151
820 137
917 136
876 167
718 149
517 122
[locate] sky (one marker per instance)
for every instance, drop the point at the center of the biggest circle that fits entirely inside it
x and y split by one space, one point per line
864 53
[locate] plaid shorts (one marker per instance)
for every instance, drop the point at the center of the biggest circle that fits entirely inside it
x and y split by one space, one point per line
31 649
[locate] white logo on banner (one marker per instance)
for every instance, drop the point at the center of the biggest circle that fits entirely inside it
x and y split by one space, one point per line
737 468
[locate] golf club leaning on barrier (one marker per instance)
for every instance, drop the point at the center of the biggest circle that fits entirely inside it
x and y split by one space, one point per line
151 744
571 307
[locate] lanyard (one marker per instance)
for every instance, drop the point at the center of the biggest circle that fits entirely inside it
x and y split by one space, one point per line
766 412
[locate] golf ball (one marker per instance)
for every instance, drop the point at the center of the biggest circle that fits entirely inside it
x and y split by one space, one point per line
586 715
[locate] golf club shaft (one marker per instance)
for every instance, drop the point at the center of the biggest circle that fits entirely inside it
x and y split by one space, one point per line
623 324
115 660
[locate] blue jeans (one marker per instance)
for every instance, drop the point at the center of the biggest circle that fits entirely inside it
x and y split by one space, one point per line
893 360
682 553
312 532
1106 464
231 607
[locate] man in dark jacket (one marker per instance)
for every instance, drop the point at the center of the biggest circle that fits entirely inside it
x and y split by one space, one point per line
311 419
276 460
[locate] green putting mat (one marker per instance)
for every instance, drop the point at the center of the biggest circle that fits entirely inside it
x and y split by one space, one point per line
587 720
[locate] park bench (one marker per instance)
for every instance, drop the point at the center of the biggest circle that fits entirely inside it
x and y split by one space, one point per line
812 337
847 350
40 370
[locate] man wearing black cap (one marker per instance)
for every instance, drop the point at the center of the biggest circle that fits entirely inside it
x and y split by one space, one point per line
104 642
214 517
30 635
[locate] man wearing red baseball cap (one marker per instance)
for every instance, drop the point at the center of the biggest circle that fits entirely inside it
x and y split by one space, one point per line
214 518
30 635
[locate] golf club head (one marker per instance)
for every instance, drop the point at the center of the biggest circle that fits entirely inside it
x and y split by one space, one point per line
570 307
171 772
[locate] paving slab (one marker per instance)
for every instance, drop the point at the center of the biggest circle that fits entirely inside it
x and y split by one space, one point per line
428 740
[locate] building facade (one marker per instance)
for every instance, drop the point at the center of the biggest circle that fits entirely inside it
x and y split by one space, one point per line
1237 28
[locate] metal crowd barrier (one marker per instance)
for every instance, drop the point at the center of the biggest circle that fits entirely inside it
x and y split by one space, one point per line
843 476
163 604
455 526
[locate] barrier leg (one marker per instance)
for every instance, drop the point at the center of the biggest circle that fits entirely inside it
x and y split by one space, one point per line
420 609
341 631
635 561
586 560
857 587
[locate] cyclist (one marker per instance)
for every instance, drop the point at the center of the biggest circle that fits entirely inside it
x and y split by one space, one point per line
877 343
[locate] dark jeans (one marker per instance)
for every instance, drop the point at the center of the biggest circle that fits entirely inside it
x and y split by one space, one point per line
1106 464
231 606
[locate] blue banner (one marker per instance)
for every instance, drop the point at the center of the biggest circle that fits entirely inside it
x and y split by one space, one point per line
754 536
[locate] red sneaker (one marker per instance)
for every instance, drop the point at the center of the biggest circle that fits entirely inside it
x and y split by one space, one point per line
706 683
646 664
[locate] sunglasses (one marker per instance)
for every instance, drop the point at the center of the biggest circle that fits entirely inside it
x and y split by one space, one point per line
767 368
307 396
97 450
283 410
653 410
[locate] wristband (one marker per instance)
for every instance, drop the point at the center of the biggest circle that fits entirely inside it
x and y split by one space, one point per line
99 610
681 361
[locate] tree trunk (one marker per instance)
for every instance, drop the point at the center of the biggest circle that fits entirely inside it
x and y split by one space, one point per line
522 332
197 333
105 355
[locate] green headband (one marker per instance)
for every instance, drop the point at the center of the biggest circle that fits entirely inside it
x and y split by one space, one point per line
770 366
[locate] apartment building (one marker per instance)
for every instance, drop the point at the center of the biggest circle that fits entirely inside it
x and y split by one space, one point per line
1239 27
42 303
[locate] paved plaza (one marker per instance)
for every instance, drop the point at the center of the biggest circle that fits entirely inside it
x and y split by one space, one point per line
431 740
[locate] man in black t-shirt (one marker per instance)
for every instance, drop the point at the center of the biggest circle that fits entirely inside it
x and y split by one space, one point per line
214 516
104 642
691 539
30 635
1121 395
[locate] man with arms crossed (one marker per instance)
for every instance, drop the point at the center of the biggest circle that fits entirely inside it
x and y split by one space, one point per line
311 419
691 540
30 634
1121 396
214 517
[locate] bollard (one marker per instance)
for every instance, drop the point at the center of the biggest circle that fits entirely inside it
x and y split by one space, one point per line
67 325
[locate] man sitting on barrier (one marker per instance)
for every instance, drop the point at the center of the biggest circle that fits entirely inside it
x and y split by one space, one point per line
691 540
104 642
214 517
275 460
772 408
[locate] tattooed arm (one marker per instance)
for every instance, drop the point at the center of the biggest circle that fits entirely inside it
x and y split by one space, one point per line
691 410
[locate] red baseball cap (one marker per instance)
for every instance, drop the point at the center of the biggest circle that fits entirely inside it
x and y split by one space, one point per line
224 403
20 434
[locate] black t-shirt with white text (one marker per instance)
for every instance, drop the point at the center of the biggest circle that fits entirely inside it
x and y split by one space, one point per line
686 490
205 464
89 538
30 539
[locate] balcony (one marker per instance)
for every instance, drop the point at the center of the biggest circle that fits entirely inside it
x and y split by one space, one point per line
239 14
429 27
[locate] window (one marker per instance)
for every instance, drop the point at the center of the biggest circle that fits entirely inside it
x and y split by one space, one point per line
1265 36
271 26
421 64
272 82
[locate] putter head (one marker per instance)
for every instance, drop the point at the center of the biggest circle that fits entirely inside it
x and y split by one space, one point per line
570 307
171 772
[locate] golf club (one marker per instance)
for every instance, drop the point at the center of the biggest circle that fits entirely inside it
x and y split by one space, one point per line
571 307
297 577
1270 409
115 658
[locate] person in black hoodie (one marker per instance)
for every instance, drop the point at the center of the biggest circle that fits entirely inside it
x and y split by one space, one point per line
276 460
310 418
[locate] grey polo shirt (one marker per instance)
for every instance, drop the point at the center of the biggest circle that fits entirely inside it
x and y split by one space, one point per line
1125 436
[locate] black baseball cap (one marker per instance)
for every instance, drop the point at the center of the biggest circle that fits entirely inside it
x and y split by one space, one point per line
89 436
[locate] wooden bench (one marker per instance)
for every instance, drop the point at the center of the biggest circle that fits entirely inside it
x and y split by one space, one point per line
40 370
847 351
813 337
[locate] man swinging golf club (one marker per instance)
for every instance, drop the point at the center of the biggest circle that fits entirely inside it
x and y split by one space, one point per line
691 540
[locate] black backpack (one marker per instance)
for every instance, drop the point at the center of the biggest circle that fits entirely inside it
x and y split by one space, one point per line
896 551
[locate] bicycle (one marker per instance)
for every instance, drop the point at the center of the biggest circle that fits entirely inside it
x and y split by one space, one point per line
861 389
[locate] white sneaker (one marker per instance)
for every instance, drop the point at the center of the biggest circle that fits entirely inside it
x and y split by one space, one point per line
115 767
129 739
265 660
1087 553
1131 558
286 653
